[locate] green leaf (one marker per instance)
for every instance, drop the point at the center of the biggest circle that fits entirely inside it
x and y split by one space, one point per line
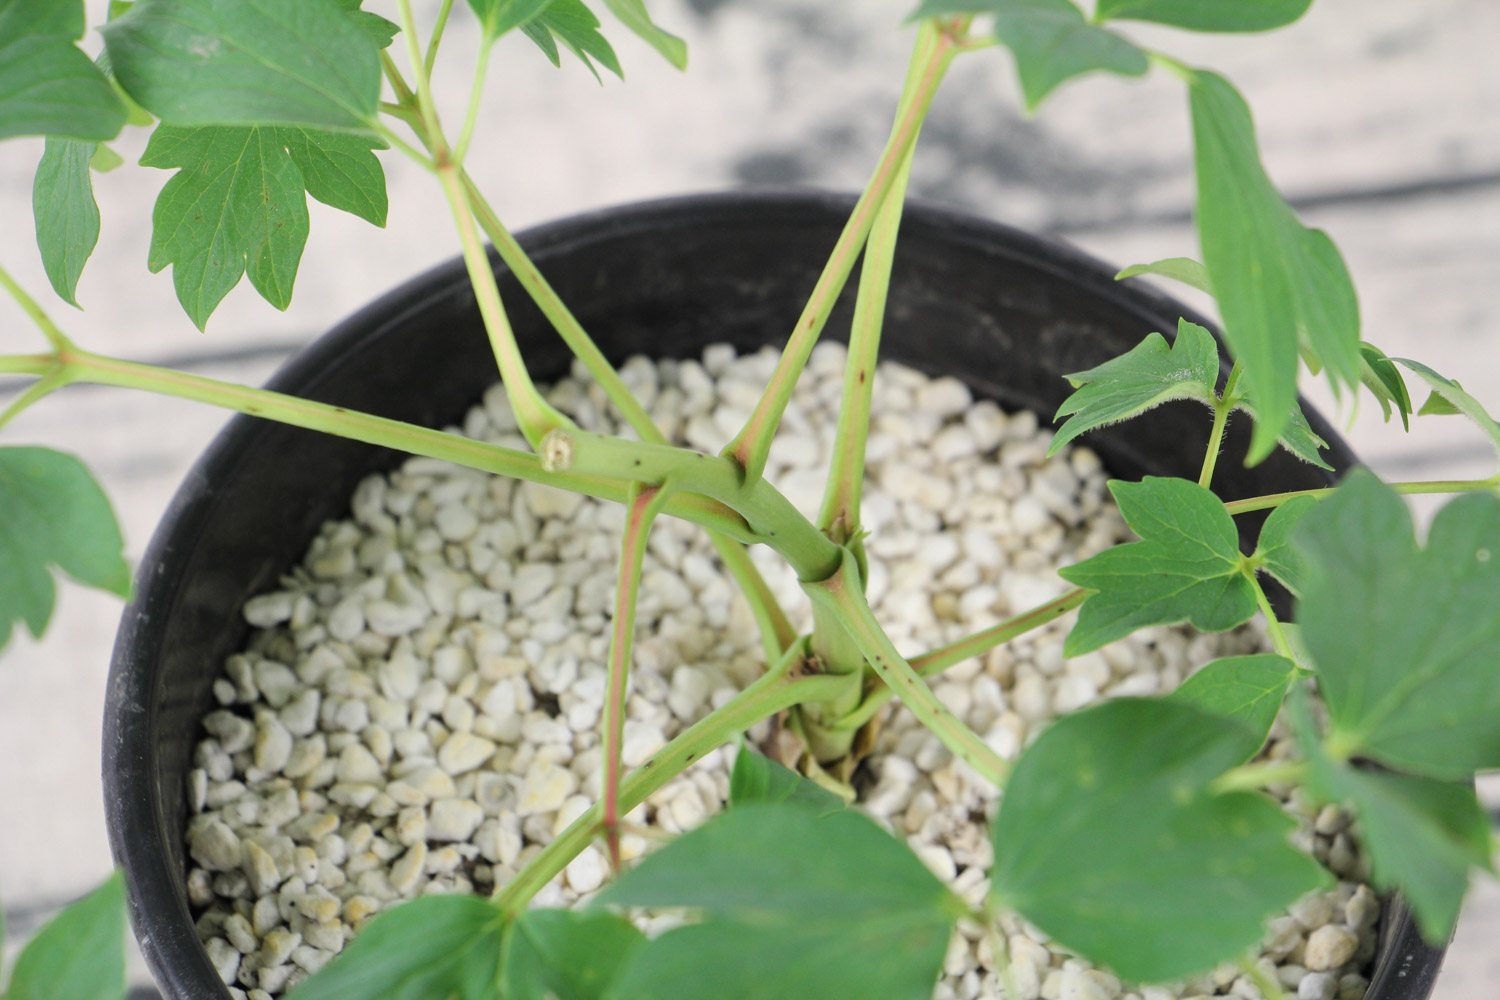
1183 269
247 62
496 17
103 161
1187 567
1050 39
80 953
381 31
433 946
1109 840
47 85
52 512
794 904
67 217
1412 684
1273 277
1149 374
1384 381
1275 552
570 22
239 204
1454 395
632 14
758 778
1208 15
1247 690
565 954
1422 836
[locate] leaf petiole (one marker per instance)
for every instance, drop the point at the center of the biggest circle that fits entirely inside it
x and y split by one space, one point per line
1270 500
437 36
1260 774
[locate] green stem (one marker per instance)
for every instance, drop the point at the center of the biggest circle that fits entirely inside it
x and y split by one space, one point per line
839 516
44 386
770 515
1273 624
779 689
840 655
1271 500
476 97
931 57
401 112
1260 774
437 36
83 366
405 148
536 416
841 593
940 659
1269 988
404 95
1215 443
776 632
43 322
414 55
640 512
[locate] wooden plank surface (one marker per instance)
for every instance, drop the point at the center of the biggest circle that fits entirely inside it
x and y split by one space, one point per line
1381 117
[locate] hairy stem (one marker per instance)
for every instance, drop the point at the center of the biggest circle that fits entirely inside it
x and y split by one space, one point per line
83 366
780 688
841 593
931 57
640 511
940 659
1215 443
1272 500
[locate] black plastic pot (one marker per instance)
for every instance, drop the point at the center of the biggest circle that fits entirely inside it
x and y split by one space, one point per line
1006 312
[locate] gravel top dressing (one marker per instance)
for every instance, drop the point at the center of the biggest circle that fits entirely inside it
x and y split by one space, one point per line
418 710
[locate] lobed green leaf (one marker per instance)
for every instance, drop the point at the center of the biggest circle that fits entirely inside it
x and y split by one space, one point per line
433 946
1050 39
1275 551
1208 15
47 85
1246 690
1455 398
794 902
565 954
1109 840
80 953
66 214
1186 567
573 24
633 14
1384 381
247 62
496 17
1414 686
1183 269
758 778
381 31
1274 278
52 513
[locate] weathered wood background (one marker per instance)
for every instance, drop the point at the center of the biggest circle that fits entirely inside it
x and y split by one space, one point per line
1379 118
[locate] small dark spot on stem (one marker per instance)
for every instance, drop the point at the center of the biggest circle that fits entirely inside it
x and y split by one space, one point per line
861 376
689 757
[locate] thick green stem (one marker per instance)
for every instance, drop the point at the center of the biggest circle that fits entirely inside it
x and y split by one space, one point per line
841 594
933 54
780 688
839 516
83 366
770 515
1271 500
839 655
940 659
640 511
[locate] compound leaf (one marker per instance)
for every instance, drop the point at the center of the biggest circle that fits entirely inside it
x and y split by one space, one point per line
758 778
1456 399
1149 374
1183 269
80 953
47 85
52 513
1247 690
794 903
66 214
247 62
433 946
1208 15
573 24
1186 567
1414 685
566 954
1050 40
1274 278
1110 840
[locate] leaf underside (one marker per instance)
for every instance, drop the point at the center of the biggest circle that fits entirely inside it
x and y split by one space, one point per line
47 85
1208 15
67 216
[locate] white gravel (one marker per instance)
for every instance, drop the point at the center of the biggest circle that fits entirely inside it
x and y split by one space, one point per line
418 710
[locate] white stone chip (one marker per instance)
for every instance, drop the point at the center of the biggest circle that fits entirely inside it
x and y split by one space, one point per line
463 752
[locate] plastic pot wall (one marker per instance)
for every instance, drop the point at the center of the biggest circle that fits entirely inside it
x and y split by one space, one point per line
1006 312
